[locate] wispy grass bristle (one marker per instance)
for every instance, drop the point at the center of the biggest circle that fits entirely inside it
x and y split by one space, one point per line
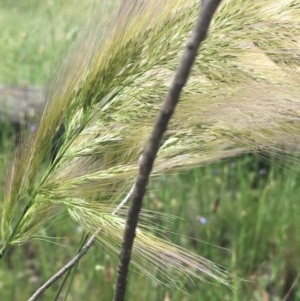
242 96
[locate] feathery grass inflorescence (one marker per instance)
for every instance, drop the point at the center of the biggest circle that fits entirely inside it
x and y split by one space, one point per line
243 95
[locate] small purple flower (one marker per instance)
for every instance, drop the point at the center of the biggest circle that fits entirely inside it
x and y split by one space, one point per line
32 128
202 220
262 172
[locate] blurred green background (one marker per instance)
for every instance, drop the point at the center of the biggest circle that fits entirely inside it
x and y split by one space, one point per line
241 213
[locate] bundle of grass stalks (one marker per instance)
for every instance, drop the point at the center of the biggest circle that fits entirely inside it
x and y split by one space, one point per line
242 96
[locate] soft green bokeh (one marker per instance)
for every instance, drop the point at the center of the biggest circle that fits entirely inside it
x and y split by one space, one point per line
34 34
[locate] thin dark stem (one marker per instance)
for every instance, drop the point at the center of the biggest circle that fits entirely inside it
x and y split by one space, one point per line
181 76
78 256
65 268
69 277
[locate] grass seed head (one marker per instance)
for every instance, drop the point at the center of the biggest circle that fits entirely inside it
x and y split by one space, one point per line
242 96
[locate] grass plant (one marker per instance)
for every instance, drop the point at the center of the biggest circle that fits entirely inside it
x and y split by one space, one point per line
242 97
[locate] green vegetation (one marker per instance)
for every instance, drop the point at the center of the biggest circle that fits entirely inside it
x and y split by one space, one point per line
34 34
240 213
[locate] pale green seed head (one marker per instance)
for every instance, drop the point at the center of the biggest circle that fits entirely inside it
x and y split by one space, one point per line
242 96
